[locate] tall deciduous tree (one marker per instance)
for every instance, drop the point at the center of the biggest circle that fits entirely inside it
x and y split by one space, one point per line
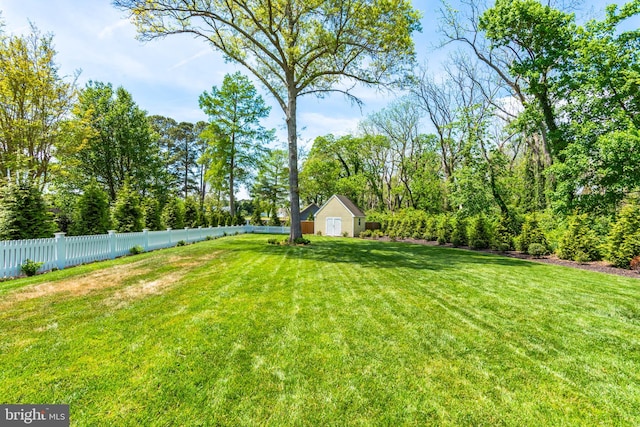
294 47
34 101
119 141
235 135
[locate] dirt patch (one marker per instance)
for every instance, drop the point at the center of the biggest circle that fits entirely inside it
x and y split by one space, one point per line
599 266
145 288
78 286
113 277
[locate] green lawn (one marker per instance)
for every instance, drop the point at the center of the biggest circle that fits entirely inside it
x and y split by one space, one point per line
342 332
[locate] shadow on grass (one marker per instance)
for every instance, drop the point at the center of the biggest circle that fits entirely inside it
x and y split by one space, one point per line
378 254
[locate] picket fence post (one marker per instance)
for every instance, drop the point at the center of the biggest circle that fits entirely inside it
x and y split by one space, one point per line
112 244
145 232
61 250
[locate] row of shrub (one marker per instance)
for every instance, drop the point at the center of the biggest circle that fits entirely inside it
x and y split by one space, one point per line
577 237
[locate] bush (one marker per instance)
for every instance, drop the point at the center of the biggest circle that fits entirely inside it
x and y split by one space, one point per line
537 250
181 243
319 233
431 229
273 241
444 230
135 250
502 236
301 241
30 267
579 242
624 238
531 233
459 232
479 235
365 233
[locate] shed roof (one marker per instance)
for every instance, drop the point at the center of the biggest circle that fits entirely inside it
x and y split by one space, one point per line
348 204
312 208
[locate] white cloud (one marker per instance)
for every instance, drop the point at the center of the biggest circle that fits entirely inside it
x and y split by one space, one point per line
107 32
184 62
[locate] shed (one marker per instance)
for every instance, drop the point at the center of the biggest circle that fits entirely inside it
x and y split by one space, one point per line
338 216
305 213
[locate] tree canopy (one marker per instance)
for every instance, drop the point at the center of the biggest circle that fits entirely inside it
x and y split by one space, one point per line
294 47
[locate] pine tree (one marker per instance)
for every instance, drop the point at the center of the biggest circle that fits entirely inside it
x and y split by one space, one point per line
191 213
256 217
173 214
92 212
24 214
152 214
127 212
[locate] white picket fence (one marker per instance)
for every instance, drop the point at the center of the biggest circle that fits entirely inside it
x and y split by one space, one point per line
62 251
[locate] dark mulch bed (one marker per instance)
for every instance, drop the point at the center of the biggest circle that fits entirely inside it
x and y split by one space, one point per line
599 266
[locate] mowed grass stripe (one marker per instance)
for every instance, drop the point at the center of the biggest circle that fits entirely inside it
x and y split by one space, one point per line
343 332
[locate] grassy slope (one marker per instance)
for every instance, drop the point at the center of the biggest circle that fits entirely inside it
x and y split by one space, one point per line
344 332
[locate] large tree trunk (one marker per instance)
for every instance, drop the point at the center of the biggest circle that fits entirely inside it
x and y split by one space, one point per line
294 191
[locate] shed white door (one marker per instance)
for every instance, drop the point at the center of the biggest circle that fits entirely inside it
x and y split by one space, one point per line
334 226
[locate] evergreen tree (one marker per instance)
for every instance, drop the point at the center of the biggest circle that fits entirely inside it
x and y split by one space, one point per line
579 242
624 239
256 217
479 234
127 212
92 212
152 214
191 213
23 213
173 214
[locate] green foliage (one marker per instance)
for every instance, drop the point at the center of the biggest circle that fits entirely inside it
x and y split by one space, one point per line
24 213
191 213
624 238
34 102
531 233
479 233
301 241
459 232
235 136
181 243
135 250
173 214
503 236
444 229
256 216
127 212
30 267
579 243
117 143
537 250
273 241
92 214
152 214
274 220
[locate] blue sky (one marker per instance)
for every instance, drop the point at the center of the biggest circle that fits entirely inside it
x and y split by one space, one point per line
167 76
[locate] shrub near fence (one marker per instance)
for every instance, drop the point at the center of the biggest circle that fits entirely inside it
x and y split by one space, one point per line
61 251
